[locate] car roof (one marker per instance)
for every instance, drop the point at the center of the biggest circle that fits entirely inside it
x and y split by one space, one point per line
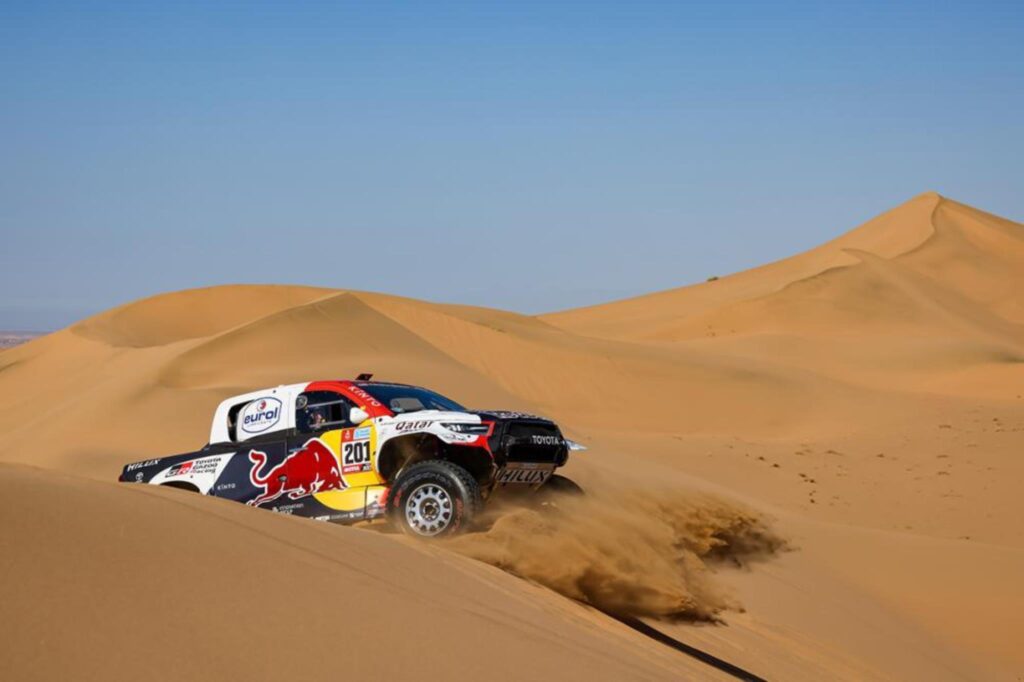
382 383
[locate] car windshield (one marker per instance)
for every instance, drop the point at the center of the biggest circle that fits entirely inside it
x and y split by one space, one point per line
400 399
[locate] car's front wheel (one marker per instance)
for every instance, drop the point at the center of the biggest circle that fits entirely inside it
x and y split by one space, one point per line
434 499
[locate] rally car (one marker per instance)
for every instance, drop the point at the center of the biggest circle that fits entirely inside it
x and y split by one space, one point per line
353 450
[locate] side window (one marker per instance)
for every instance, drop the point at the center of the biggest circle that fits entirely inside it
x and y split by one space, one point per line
233 420
321 411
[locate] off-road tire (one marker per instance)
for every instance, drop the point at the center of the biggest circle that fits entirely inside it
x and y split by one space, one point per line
447 498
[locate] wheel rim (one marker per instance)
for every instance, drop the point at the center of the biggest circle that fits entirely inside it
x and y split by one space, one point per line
429 509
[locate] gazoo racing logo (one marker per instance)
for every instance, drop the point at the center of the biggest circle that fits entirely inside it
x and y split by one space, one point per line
260 415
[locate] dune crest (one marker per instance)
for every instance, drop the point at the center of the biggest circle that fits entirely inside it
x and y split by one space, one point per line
191 314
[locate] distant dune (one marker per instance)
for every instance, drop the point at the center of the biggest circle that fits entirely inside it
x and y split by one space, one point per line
862 401
931 265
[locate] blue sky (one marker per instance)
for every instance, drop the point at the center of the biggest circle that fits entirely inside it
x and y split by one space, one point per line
529 156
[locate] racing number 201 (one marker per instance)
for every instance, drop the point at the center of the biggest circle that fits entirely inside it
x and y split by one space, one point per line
356 453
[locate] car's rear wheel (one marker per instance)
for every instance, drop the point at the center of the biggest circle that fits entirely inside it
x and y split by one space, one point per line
434 499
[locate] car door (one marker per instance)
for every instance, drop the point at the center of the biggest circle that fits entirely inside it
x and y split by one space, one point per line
337 485
258 456
253 472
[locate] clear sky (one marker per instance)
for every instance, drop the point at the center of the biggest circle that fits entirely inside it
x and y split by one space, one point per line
524 155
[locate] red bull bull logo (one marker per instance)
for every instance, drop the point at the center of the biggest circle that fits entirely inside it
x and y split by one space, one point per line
311 469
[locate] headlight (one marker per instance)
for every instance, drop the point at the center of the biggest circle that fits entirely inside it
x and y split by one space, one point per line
468 428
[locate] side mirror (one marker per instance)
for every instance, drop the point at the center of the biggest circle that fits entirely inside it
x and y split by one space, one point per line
357 415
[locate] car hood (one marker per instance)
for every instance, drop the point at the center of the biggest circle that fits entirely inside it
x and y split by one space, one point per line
437 416
509 415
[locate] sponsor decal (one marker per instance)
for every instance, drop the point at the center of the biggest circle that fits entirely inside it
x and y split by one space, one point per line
402 427
363 395
527 476
206 466
545 440
180 469
375 511
355 457
356 434
195 467
260 415
377 500
142 465
313 468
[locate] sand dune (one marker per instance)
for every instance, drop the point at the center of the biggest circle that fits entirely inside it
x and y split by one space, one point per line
116 582
862 401
196 313
932 257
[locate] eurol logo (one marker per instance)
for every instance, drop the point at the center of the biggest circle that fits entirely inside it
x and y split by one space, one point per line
260 415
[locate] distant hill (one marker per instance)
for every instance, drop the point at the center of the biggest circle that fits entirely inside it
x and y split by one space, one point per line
11 339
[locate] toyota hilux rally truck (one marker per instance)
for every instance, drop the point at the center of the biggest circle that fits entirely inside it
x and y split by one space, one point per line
347 451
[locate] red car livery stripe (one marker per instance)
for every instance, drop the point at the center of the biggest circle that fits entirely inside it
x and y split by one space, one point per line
354 393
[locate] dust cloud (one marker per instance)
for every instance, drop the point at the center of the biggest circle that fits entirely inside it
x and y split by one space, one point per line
626 552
